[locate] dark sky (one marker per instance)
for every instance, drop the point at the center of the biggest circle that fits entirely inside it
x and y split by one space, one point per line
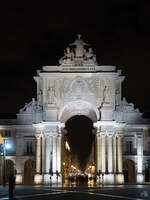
32 35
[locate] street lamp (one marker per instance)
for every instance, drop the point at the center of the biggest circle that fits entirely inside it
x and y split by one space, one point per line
6 146
51 174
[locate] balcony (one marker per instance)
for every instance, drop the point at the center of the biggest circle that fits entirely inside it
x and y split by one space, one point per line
130 153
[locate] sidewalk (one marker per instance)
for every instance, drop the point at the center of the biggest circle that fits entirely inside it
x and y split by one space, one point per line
3 191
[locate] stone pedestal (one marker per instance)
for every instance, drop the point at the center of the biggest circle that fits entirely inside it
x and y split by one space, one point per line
119 178
109 179
140 178
38 179
19 178
46 179
54 179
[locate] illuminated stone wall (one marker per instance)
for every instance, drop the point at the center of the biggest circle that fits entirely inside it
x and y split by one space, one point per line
79 86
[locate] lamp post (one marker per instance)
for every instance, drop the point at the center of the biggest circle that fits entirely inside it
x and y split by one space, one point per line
6 146
51 174
4 164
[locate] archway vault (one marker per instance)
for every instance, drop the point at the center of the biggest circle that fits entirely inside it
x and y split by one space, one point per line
79 107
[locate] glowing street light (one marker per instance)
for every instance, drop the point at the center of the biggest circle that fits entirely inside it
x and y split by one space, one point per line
6 146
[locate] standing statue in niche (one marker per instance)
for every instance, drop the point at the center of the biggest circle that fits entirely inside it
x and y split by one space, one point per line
40 97
108 94
102 102
51 95
117 99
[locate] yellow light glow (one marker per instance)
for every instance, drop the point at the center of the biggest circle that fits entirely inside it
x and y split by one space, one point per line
67 146
1 139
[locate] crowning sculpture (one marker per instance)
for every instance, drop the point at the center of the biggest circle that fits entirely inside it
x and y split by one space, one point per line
78 86
78 55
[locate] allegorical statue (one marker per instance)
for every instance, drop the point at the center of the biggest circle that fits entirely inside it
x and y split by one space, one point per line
51 95
29 107
68 57
79 47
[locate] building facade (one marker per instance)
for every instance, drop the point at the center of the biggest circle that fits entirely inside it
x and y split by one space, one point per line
78 86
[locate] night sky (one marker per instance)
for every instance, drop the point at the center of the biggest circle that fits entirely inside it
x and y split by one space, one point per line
33 35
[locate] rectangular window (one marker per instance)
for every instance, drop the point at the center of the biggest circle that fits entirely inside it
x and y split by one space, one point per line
129 146
29 148
7 133
148 146
148 134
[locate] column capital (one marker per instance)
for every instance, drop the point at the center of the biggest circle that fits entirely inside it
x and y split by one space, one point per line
119 135
46 135
38 135
140 134
103 135
110 134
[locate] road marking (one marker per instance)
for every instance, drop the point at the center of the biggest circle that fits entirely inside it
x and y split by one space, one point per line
115 196
34 195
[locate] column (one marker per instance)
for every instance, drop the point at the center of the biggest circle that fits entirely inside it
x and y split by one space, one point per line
103 154
140 177
98 152
47 154
43 154
51 153
54 155
59 153
115 157
119 149
119 174
110 154
38 154
38 175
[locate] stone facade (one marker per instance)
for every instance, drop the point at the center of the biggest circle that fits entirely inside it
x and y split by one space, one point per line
78 86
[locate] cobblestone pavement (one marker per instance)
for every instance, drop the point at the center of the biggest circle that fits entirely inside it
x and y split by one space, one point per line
79 193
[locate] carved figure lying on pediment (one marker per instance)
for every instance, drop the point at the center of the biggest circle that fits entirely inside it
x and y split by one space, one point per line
31 107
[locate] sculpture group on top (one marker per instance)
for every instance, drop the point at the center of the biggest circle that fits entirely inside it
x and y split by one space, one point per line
78 55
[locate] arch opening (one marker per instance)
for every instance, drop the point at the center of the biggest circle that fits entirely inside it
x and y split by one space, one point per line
147 171
129 171
29 171
79 107
81 142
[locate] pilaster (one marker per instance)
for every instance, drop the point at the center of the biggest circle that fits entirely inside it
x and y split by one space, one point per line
119 169
140 177
103 153
110 153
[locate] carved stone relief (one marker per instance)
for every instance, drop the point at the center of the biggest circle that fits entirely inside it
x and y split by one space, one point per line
78 89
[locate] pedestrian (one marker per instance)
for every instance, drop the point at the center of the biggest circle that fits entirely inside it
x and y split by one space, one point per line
102 179
11 184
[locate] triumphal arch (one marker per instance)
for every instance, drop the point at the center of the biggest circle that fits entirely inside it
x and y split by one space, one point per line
79 86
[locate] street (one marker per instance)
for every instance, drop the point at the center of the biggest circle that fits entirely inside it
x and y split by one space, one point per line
80 193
